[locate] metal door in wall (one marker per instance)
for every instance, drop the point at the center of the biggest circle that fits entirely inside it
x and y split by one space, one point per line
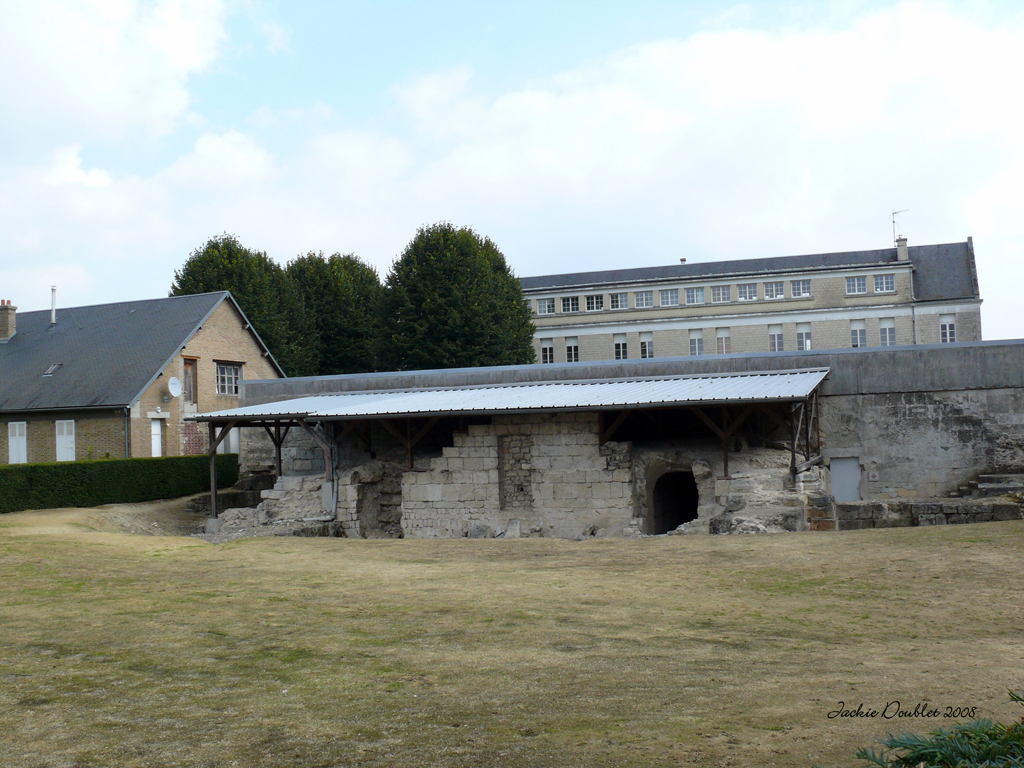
845 478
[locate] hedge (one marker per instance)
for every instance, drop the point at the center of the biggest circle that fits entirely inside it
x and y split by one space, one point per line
109 481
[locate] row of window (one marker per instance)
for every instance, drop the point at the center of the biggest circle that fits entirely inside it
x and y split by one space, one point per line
719 294
17 441
723 339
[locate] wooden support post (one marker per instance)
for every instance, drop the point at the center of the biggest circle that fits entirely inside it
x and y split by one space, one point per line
213 470
807 430
792 443
725 434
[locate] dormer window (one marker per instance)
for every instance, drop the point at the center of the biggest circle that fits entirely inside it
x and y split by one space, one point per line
52 369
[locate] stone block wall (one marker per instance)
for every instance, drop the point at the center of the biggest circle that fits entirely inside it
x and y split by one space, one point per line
924 444
573 481
852 516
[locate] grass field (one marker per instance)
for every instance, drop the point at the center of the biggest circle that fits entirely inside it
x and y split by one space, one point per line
129 650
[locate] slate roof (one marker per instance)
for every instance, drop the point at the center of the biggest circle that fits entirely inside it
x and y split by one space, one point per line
942 272
108 353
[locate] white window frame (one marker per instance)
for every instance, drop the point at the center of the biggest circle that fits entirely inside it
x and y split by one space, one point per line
545 306
857 286
746 292
803 337
621 348
885 283
721 294
723 338
947 329
229 375
618 300
696 343
646 345
887 332
17 442
572 349
570 304
595 302
776 342
547 351
643 299
775 290
800 288
694 296
858 334
669 297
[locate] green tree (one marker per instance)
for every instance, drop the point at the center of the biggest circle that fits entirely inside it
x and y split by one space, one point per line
342 296
263 290
450 300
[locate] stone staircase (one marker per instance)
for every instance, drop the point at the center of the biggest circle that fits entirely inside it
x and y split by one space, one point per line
991 485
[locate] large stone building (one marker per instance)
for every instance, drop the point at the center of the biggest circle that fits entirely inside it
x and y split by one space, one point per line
891 297
95 382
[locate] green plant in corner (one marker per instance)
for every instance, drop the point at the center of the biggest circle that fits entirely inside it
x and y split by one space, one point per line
977 744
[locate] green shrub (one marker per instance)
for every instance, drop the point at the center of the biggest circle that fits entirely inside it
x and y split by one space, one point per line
978 744
110 481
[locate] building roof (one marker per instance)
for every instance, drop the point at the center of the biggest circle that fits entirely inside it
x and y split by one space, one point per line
944 271
108 354
532 397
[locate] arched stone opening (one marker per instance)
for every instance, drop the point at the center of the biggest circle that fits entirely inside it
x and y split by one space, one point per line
673 502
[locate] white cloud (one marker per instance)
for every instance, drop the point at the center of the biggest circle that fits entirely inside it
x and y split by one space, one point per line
66 168
278 37
221 163
99 69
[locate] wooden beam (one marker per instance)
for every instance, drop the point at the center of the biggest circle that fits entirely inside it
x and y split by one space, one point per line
392 429
711 425
607 433
325 446
803 466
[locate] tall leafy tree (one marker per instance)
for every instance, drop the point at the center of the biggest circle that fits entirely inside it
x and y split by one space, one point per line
450 300
342 297
263 290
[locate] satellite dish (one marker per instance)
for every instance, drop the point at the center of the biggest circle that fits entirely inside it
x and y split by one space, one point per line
174 386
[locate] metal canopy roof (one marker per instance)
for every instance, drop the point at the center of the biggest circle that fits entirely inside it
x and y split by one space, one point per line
590 395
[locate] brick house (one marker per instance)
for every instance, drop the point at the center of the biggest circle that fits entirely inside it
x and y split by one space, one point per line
926 294
117 380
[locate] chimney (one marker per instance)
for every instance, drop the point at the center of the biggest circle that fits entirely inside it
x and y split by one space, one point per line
902 254
53 305
8 316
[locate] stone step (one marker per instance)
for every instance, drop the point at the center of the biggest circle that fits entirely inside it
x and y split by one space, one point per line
1016 479
259 482
997 489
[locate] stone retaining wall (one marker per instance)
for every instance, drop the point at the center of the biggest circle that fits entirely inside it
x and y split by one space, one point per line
904 514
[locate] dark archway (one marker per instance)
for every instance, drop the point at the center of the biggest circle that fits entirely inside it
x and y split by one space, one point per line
673 502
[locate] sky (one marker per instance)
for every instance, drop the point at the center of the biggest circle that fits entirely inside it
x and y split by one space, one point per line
576 135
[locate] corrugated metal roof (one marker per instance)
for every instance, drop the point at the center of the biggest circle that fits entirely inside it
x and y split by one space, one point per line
545 396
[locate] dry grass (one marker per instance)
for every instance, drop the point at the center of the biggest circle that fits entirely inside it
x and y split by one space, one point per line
123 650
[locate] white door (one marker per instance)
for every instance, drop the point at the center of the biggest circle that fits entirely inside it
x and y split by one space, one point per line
66 440
17 442
845 479
157 432
231 443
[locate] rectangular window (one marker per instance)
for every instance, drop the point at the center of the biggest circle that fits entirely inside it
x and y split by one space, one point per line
694 295
775 338
545 306
885 283
643 299
66 440
887 331
724 341
189 388
800 288
670 298
595 303
746 292
17 442
775 290
572 349
570 303
696 342
947 329
803 336
620 346
547 351
646 345
858 334
619 300
228 376
721 293
855 285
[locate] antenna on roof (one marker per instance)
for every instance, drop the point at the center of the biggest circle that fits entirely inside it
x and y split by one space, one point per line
894 214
